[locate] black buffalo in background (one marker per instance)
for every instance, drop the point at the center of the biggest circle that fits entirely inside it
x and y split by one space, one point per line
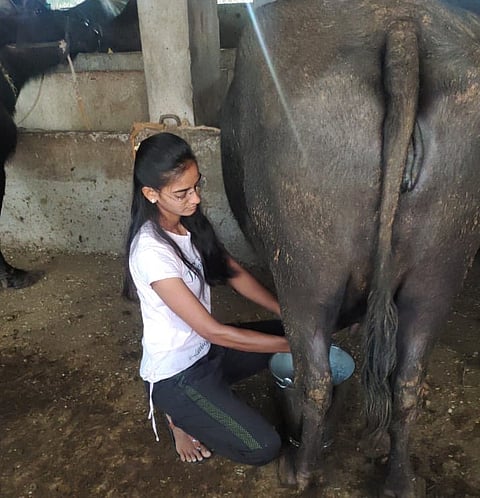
114 23
16 7
351 158
31 43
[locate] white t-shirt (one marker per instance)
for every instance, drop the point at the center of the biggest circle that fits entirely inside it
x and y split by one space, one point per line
169 344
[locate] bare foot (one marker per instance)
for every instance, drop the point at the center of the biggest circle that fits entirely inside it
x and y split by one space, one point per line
188 448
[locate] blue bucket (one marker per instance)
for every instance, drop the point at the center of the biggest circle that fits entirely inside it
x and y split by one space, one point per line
342 366
290 398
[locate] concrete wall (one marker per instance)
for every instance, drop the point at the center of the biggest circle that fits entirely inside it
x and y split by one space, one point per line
68 191
71 191
109 94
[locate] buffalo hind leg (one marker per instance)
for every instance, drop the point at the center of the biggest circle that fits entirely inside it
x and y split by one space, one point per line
420 321
297 466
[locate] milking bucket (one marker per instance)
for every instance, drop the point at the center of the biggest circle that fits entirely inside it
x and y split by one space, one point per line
342 366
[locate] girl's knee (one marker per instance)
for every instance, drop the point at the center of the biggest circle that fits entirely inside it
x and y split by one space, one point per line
268 452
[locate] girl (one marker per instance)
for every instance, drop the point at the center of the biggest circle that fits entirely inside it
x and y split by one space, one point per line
190 359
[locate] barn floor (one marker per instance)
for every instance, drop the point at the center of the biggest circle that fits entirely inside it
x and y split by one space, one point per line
74 415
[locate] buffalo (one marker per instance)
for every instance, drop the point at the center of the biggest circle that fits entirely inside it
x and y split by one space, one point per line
113 22
350 152
30 45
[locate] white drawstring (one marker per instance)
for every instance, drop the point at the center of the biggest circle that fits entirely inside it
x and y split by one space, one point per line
151 414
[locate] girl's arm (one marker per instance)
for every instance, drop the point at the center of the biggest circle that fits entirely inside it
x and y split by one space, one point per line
178 297
246 285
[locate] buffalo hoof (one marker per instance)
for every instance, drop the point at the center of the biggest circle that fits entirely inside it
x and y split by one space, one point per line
289 476
375 446
286 468
15 278
413 488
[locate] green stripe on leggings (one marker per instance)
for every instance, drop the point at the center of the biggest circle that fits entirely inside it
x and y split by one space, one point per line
216 413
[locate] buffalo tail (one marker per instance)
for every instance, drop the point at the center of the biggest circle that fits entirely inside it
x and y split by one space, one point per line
401 81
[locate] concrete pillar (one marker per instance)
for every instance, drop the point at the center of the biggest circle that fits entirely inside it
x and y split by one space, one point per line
205 55
181 54
166 57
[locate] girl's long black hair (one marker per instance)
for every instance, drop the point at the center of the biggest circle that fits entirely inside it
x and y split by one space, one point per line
160 159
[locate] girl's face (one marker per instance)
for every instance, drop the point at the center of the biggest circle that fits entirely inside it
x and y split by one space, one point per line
181 196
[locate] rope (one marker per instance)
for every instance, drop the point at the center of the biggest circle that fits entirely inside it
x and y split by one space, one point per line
9 80
37 98
84 115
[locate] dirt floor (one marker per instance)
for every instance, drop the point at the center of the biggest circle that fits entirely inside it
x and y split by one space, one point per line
73 412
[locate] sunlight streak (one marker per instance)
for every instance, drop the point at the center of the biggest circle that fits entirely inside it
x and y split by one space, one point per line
275 78
111 7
